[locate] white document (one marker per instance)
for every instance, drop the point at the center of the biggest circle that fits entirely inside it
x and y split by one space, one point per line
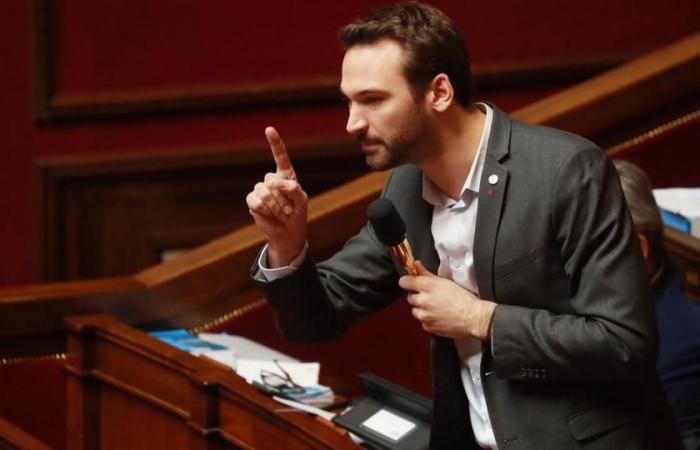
389 425
226 357
306 408
685 201
242 348
303 374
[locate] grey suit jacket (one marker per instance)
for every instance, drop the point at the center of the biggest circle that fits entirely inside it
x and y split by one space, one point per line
573 337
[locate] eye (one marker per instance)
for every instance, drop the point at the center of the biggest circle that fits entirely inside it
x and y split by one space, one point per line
372 101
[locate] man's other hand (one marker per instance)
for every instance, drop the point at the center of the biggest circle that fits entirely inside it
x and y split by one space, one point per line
445 308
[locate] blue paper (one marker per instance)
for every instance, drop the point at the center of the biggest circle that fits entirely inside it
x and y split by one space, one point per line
185 340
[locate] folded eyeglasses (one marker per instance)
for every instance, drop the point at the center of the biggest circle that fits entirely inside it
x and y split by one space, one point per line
282 383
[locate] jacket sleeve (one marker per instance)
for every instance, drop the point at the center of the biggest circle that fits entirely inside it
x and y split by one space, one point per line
319 301
609 330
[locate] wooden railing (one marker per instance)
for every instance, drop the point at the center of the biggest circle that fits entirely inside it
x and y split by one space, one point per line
212 281
14 438
187 291
647 83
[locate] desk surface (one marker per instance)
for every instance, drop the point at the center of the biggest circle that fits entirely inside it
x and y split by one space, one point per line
128 390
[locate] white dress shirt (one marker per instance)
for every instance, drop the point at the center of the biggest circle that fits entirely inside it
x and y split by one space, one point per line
453 228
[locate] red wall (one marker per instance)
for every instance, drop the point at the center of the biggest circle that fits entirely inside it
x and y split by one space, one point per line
105 47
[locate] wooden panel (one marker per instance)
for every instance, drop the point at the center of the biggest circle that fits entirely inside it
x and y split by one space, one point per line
615 98
110 393
111 216
14 438
248 80
217 272
183 292
51 103
148 427
30 318
686 250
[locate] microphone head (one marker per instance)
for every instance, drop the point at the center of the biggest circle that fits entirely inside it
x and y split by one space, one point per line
387 222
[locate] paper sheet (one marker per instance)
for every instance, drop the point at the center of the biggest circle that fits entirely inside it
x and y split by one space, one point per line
304 374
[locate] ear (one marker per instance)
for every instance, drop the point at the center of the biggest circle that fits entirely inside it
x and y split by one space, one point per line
440 93
644 243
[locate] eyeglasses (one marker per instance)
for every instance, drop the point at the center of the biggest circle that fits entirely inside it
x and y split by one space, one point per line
282 383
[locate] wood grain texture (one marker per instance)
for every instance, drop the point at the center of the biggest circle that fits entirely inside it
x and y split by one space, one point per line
215 276
122 379
14 438
53 104
113 215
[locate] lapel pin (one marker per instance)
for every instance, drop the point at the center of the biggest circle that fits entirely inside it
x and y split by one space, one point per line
493 179
490 192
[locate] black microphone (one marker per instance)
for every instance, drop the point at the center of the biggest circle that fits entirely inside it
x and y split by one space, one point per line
391 231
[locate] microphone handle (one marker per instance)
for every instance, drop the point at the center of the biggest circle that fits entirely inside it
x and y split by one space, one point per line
403 254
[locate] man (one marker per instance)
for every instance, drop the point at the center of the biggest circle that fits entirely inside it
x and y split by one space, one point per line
530 281
677 316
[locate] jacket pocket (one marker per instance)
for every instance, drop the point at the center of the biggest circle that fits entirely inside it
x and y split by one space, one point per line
591 423
514 265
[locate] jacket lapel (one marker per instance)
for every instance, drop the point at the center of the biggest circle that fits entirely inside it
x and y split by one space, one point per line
418 215
492 188
423 246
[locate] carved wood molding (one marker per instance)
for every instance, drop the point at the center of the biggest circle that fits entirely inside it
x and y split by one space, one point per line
624 93
117 372
111 215
217 271
686 249
12 437
52 106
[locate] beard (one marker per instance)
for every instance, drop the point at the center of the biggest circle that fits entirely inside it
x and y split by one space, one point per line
406 145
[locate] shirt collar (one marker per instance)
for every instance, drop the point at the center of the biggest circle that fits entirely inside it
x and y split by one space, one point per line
435 197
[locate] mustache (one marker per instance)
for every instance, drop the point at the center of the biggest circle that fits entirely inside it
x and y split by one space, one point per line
365 138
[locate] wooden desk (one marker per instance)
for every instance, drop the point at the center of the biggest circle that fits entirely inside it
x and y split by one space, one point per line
129 390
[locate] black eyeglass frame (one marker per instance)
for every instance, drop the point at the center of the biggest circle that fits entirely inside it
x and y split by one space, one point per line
282 383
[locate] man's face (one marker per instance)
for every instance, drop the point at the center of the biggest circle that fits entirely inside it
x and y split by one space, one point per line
383 114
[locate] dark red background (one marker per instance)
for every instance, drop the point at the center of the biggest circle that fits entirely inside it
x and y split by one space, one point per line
105 46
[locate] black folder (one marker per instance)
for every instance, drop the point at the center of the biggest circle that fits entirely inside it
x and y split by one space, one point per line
378 395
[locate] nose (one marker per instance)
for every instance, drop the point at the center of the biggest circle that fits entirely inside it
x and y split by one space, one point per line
357 124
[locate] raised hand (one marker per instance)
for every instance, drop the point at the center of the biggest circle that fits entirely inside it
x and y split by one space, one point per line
445 308
279 206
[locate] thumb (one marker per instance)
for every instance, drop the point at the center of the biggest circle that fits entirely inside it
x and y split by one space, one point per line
422 271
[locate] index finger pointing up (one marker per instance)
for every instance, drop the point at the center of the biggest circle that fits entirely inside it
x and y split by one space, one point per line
279 152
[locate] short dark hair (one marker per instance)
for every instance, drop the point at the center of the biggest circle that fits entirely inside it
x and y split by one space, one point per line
642 205
431 41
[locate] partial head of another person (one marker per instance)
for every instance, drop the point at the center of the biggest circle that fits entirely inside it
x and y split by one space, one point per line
645 213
